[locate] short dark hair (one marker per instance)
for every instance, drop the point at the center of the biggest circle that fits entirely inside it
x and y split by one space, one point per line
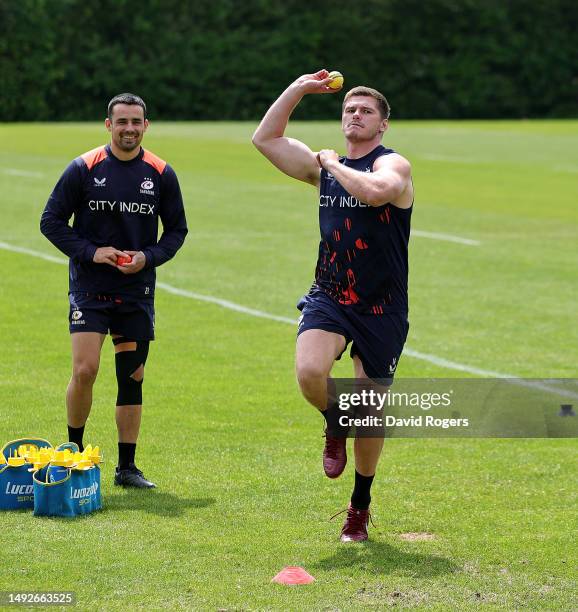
126 98
362 90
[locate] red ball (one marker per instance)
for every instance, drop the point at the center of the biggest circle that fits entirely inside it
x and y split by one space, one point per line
121 261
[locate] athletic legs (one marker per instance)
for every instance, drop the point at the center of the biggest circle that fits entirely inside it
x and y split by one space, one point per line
367 450
130 358
316 351
86 347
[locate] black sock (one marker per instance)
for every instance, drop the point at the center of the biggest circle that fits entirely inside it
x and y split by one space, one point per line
75 435
361 498
332 426
330 414
126 452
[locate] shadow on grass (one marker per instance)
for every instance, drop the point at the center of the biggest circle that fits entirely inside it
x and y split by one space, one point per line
383 558
154 502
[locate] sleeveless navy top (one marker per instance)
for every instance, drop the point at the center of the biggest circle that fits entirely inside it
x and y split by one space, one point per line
362 259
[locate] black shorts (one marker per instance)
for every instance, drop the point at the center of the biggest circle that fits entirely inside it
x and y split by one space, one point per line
376 339
105 313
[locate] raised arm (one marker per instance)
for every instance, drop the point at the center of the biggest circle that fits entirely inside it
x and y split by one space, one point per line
291 156
388 182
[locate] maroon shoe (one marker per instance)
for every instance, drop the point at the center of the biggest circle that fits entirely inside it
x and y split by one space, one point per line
334 456
355 526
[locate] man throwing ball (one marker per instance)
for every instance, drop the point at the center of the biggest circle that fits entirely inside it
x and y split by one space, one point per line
117 194
360 291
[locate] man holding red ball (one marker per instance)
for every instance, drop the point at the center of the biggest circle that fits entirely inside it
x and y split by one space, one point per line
117 194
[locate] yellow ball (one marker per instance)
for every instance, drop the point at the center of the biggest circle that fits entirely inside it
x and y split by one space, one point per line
336 80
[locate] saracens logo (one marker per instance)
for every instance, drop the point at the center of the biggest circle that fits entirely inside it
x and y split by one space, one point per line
147 186
77 318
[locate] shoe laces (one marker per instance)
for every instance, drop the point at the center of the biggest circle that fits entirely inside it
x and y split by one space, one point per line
356 518
333 446
132 468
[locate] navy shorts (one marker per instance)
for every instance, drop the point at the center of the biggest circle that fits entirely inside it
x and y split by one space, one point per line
376 339
105 313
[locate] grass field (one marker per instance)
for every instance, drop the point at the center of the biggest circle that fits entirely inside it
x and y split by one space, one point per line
226 436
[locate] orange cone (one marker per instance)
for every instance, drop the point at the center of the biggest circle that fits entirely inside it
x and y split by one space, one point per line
293 575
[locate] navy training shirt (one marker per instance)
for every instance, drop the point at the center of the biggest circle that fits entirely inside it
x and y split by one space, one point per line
115 203
362 260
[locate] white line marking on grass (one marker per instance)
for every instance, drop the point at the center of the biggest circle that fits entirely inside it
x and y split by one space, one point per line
439 361
542 387
24 251
27 173
452 365
446 237
225 304
261 314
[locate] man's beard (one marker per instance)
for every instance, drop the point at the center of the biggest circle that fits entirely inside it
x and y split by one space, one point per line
358 136
355 137
128 147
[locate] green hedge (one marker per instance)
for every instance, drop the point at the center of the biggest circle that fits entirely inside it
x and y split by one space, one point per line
225 59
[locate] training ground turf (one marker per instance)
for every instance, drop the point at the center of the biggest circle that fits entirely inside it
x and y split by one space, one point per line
234 449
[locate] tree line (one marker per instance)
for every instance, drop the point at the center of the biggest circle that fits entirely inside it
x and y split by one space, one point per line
228 59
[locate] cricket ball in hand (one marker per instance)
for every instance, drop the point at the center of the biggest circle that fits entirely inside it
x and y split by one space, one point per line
121 261
336 80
